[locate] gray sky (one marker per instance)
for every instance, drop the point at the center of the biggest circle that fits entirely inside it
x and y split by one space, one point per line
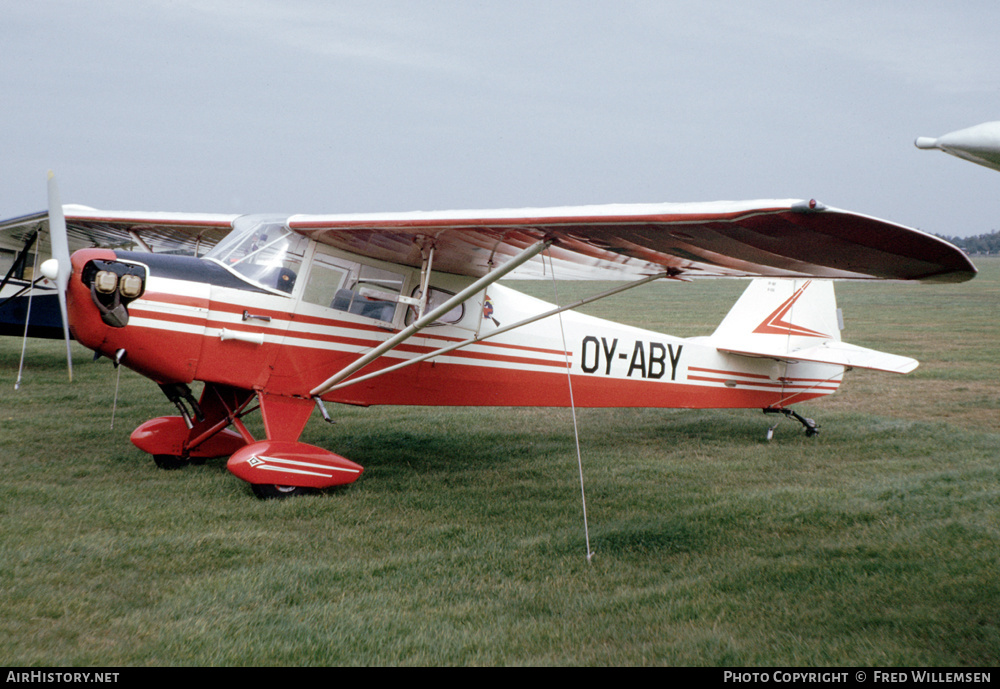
305 106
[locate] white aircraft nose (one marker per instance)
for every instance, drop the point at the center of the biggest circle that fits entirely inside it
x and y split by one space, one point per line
925 142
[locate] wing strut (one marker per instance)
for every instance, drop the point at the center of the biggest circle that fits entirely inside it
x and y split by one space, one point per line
403 335
504 329
425 279
19 263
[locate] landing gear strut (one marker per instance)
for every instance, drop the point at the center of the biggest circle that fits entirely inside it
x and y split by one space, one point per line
178 393
812 428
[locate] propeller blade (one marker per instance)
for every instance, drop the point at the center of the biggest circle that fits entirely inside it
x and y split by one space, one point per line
60 252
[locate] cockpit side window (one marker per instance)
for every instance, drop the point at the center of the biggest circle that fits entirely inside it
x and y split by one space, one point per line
344 285
436 297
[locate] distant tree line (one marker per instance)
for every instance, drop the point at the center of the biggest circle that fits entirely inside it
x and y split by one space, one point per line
980 244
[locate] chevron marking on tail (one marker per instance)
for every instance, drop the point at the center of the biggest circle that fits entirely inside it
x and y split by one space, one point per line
775 324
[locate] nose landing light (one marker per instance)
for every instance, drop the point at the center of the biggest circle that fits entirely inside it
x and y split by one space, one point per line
105 282
113 285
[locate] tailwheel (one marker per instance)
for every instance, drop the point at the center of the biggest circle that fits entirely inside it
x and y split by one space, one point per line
812 428
270 491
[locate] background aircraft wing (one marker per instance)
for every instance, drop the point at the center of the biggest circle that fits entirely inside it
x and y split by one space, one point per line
979 144
27 236
175 232
780 238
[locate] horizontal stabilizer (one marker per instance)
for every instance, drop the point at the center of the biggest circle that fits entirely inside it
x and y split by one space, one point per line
839 353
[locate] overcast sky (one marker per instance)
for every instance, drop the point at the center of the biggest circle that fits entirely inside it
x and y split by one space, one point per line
307 106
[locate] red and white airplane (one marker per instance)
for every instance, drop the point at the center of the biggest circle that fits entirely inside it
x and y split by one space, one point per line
288 313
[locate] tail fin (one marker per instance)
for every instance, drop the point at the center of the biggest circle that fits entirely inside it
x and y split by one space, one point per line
796 320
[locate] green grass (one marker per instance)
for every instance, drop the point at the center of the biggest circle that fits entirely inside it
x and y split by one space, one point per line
876 543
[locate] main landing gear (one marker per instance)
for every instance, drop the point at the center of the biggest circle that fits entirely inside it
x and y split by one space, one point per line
277 467
812 428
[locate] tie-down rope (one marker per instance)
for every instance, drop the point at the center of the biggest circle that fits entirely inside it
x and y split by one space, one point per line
572 406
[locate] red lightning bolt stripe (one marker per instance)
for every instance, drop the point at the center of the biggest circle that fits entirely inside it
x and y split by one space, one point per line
775 324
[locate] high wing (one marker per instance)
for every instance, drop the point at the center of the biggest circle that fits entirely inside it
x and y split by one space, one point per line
772 238
779 238
189 233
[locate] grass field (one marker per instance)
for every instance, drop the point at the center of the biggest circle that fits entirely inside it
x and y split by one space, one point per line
876 543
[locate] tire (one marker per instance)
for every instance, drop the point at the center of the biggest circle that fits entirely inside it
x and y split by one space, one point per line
269 491
170 462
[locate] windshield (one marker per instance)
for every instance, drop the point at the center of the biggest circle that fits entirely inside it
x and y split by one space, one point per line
264 250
